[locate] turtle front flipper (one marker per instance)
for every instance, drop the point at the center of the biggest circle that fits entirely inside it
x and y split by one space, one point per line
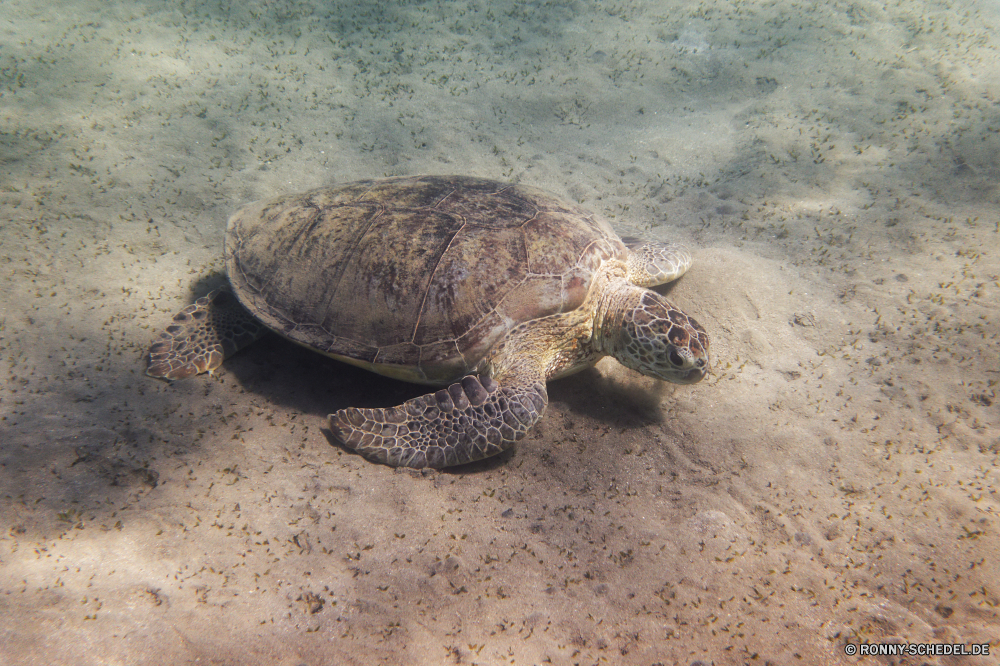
202 336
472 419
651 263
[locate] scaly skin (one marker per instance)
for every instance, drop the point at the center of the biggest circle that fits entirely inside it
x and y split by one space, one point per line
470 420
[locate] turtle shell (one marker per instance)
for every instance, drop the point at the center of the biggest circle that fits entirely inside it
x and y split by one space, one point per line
414 277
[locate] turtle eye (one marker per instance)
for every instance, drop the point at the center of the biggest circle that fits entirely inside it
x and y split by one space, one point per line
675 358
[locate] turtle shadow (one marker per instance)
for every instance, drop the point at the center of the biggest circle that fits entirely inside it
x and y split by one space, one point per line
206 283
303 381
293 378
605 400
290 377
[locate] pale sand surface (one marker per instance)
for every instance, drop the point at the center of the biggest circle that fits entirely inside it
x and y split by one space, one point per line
835 167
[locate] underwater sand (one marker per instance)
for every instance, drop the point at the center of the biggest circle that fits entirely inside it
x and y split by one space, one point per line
833 165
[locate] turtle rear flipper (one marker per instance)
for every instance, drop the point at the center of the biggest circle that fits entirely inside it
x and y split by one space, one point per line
202 336
470 420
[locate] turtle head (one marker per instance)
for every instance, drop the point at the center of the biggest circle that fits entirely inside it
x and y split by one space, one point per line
657 339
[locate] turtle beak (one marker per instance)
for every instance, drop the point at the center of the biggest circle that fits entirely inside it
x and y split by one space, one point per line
697 374
692 376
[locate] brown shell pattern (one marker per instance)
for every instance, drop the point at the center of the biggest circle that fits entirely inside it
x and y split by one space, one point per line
425 272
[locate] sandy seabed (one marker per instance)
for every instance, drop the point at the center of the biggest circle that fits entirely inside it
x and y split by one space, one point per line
833 482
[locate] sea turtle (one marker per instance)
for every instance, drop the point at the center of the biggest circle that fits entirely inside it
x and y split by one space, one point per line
485 288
